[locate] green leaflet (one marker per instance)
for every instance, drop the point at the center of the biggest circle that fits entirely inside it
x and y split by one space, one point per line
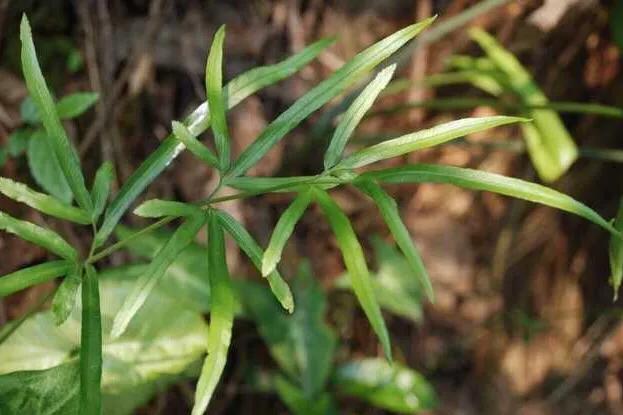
354 114
42 202
389 210
90 346
65 296
33 275
355 262
556 143
221 316
236 90
283 230
394 387
193 145
615 253
491 182
143 286
45 169
39 236
214 89
156 208
101 188
245 241
423 139
347 75
51 392
73 105
258 185
66 155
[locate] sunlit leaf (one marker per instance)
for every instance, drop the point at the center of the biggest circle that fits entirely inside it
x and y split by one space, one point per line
43 237
394 387
193 145
221 316
156 208
71 106
33 275
353 115
42 202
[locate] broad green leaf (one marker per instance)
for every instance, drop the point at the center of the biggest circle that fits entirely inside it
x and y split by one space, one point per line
65 297
302 344
221 316
296 401
235 91
71 106
353 115
254 184
245 241
52 391
101 187
423 139
43 237
615 251
33 275
556 142
90 346
18 141
389 211
163 340
29 112
214 90
45 169
394 387
179 240
58 140
355 262
283 230
347 75
490 182
184 279
193 145
157 208
42 202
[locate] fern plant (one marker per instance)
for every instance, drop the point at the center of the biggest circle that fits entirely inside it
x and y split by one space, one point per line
81 269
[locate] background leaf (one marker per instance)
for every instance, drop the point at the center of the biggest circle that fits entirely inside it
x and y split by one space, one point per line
71 106
45 169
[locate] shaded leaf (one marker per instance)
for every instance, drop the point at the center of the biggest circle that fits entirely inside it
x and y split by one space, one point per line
65 297
355 262
45 169
90 346
615 251
179 240
71 106
18 141
101 187
299 404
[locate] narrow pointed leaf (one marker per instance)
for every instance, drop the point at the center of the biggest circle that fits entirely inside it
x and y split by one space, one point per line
556 140
235 91
354 114
90 346
615 251
33 275
282 232
253 184
45 168
221 316
156 208
180 239
347 75
42 202
424 139
490 182
74 105
193 145
65 297
57 136
214 89
245 241
45 238
389 210
355 262
101 187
